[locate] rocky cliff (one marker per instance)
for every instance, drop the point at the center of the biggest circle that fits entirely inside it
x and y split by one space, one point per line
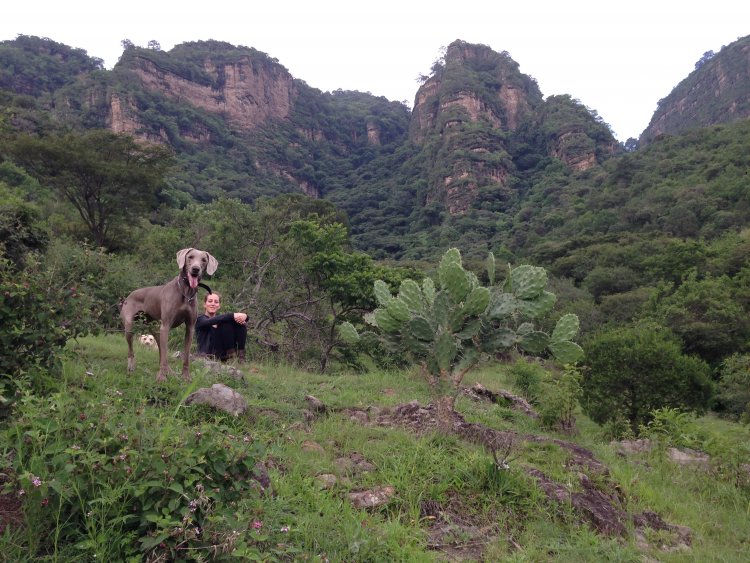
475 107
717 91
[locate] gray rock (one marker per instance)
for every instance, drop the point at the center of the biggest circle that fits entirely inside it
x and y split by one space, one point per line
220 397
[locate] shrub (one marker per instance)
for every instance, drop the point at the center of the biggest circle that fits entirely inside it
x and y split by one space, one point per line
36 319
560 400
733 397
527 377
94 471
636 369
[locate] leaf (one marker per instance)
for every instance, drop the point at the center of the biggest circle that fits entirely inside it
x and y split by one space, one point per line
477 301
491 268
470 330
382 292
428 290
421 329
534 342
528 281
411 295
385 321
398 310
149 543
566 328
535 308
451 255
502 305
445 351
454 278
565 351
348 333
498 340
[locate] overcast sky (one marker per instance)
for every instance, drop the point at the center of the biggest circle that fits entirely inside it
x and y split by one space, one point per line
618 58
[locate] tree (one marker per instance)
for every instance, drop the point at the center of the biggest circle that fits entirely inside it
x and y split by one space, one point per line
733 395
707 316
634 370
110 179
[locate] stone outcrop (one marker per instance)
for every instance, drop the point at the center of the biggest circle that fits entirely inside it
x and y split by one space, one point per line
468 112
247 93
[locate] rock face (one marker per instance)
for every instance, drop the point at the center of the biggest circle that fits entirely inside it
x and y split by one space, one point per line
247 93
475 107
715 92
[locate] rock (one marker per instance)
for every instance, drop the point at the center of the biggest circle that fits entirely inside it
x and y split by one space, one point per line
686 456
326 480
315 404
220 397
310 446
630 447
373 497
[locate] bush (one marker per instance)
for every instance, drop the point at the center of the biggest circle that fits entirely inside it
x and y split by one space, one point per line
116 482
634 370
35 323
561 395
733 396
527 377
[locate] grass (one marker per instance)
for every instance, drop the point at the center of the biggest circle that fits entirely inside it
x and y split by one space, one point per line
129 473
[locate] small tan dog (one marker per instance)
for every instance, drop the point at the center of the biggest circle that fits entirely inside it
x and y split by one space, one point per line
147 340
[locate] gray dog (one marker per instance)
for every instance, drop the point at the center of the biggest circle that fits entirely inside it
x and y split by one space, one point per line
173 303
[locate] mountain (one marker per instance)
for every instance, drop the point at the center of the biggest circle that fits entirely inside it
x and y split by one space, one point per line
715 92
482 162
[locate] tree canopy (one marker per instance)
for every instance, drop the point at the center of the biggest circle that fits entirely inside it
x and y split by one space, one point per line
110 179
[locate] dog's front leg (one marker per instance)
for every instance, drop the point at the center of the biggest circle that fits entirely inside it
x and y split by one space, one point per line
131 356
189 330
163 349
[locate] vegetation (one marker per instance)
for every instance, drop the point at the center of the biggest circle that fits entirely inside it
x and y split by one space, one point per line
109 179
449 331
355 295
117 467
634 370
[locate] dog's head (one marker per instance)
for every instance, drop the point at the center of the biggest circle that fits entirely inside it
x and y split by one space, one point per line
147 340
195 263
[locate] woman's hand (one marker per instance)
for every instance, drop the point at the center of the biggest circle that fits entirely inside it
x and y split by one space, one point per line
240 318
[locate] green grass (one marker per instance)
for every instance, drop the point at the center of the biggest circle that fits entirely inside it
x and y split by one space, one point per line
95 504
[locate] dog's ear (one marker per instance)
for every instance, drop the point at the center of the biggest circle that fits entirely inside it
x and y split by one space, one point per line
213 263
181 257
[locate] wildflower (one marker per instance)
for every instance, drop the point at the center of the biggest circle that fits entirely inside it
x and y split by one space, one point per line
198 435
257 525
45 501
285 529
193 506
82 416
75 447
123 437
118 393
247 439
36 481
21 492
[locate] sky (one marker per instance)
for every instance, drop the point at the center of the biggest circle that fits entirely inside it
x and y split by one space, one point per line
617 58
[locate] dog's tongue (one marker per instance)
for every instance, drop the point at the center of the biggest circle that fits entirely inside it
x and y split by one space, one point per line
193 281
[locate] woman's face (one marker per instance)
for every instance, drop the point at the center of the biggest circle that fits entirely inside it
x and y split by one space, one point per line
212 304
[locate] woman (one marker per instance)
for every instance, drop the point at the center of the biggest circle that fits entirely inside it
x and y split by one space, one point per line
220 336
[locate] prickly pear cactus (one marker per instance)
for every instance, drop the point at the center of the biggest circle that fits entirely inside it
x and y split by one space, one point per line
452 328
